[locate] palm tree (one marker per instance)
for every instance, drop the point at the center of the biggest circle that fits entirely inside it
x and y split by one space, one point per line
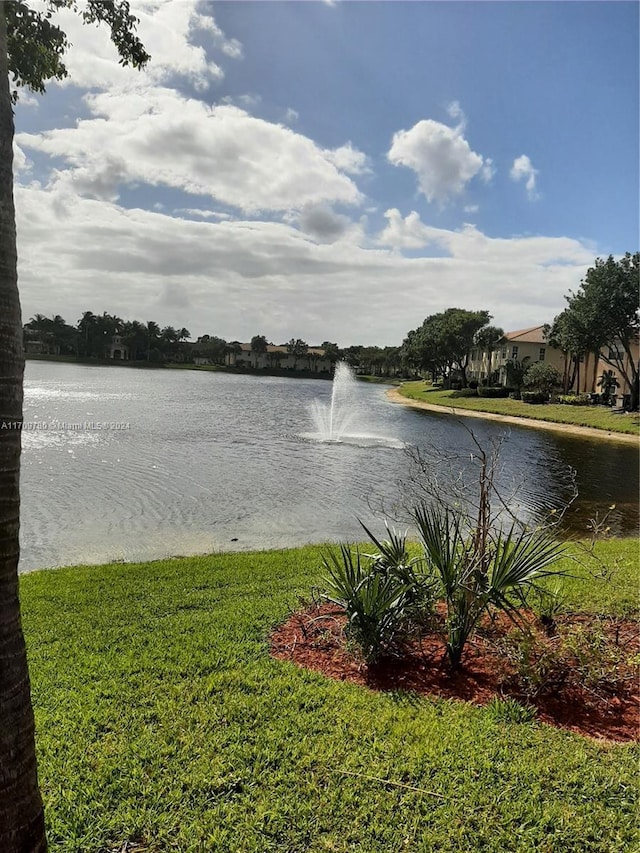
86 326
37 46
608 383
153 333
21 809
135 337
486 340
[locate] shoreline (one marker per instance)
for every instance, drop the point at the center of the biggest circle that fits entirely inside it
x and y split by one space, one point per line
571 429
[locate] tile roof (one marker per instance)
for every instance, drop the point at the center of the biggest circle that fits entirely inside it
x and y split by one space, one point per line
533 335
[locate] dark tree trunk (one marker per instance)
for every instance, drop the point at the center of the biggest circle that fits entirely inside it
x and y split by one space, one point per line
21 813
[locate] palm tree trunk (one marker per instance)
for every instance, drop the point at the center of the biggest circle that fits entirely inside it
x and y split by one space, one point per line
594 376
21 812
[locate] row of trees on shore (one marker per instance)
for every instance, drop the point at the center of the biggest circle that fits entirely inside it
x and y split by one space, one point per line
93 334
601 323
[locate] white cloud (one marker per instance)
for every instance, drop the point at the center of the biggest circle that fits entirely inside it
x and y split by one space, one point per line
471 208
203 214
455 111
20 161
291 115
522 169
407 232
488 171
439 155
348 159
165 28
247 101
237 278
161 138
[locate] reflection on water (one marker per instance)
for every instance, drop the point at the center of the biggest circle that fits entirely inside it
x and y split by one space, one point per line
215 461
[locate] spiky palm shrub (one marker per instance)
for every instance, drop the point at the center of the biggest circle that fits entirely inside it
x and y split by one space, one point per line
476 573
393 559
375 601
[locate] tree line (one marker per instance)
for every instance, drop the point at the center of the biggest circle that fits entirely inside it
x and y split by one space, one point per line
93 334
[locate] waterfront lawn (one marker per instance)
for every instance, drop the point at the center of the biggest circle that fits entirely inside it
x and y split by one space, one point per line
163 721
599 417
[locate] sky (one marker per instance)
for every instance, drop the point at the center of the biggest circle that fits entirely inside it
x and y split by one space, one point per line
331 170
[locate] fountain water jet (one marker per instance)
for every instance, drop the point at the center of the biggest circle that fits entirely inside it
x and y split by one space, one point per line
341 419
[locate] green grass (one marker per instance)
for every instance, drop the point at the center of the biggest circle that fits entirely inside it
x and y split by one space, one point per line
161 718
598 417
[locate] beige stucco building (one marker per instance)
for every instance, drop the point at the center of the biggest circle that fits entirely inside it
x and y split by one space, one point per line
277 356
530 345
524 345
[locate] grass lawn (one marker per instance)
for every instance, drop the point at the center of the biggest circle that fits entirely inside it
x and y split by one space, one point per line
598 417
162 719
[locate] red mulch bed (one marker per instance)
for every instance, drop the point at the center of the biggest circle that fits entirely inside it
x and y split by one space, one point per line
314 639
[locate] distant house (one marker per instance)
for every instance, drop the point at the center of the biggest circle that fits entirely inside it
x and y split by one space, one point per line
35 343
524 345
530 345
277 356
117 350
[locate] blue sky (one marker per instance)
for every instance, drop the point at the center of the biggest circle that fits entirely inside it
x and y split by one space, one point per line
332 170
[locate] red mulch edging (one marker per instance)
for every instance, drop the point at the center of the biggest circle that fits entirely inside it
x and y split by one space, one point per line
314 639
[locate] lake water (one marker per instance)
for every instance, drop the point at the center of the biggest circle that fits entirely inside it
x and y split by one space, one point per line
213 461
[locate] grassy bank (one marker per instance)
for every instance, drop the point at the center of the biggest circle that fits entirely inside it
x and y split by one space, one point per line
161 719
598 417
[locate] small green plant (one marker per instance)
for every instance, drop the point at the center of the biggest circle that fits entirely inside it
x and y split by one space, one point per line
493 391
374 600
540 667
509 710
596 657
574 399
534 397
481 569
584 655
549 601
393 559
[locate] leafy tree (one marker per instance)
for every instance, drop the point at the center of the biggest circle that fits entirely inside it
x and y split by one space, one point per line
32 48
607 310
486 339
352 355
542 377
444 341
577 334
214 348
331 351
258 346
233 348
298 349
